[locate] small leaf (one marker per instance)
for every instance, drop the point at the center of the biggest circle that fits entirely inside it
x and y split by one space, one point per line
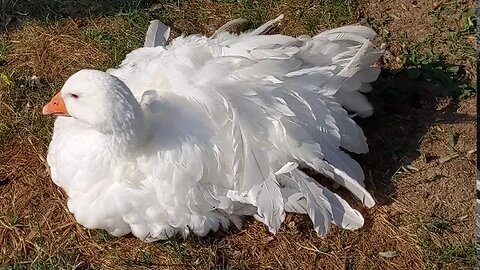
453 138
388 254
5 79
453 69
473 84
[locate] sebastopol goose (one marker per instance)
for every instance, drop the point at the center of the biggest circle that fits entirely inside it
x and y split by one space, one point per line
192 135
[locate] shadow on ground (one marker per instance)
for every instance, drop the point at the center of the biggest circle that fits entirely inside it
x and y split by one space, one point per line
407 104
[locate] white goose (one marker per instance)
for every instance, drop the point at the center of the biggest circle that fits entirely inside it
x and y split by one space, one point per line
191 136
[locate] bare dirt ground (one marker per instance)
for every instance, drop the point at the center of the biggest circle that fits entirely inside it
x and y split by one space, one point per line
422 137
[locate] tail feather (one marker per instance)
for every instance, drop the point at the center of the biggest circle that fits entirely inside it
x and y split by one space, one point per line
344 180
266 26
359 30
157 34
349 70
355 101
227 26
304 195
349 49
259 31
317 207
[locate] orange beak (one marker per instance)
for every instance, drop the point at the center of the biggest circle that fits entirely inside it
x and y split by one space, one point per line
56 106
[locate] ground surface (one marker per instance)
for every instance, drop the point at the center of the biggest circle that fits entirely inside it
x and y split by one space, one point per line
421 166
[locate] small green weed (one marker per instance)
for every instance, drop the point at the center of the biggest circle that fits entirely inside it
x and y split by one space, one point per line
447 79
3 51
13 218
146 260
447 257
98 35
439 224
104 235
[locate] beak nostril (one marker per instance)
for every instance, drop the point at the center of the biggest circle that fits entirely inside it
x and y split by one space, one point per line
56 106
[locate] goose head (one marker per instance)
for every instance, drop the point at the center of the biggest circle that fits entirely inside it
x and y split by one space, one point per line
100 101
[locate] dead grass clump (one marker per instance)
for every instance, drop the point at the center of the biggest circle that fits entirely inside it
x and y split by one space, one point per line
35 226
296 246
33 217
52 51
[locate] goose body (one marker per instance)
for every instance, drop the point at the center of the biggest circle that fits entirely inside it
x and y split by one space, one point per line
191 136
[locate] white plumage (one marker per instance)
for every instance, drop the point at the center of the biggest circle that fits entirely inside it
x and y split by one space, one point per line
191 136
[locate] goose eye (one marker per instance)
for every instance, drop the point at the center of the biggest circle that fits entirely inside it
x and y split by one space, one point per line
75 96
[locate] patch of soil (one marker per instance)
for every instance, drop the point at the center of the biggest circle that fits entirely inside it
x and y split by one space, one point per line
444 185
432 26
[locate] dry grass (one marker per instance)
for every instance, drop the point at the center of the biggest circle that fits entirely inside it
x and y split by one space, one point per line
59 49
424 216
301 17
